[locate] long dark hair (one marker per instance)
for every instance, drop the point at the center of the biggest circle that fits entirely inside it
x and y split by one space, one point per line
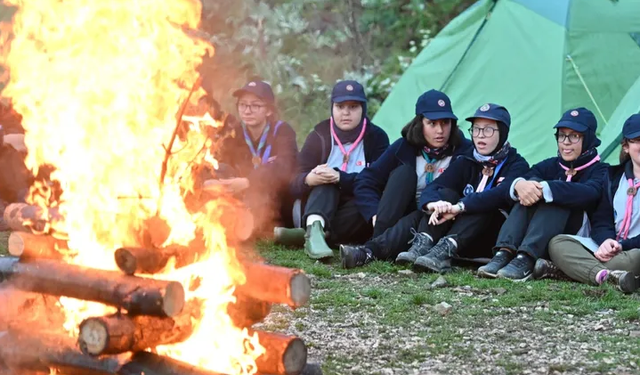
412 132
624 156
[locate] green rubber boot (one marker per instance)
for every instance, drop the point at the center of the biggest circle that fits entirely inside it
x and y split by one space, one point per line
314 245
293 237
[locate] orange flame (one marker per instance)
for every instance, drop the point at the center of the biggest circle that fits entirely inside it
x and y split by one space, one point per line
98 84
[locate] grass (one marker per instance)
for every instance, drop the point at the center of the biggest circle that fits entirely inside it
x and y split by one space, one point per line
4 237
397 301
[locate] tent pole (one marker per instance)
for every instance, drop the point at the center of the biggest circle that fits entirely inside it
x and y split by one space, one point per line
455 68
586 88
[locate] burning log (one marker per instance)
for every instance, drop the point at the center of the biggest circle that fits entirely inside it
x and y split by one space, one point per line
139 296
118 333
44 353
32 246
285 285
22 217
132 260
145 363
247 311
284 355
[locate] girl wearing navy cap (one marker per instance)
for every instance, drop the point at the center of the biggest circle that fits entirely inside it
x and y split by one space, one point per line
482 178
260 155
612 252
550 199
333 154
388 191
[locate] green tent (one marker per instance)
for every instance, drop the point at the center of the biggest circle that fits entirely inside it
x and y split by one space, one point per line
612 134
536 57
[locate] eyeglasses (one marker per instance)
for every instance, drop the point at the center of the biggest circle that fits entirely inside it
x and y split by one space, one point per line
573 137
253 107
486 132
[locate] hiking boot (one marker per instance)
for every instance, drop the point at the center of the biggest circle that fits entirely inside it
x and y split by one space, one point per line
314 244
519 269
293 237
626 282
545 269
498 262
355 256
420 245
439 258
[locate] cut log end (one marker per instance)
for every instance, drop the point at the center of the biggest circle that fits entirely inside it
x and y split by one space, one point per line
16 245
292 357
126 261
300 289
174 299
94 336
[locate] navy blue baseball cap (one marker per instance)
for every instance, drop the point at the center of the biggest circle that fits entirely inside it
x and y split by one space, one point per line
631 127
494 112
258 88
435 105
580 119
348 90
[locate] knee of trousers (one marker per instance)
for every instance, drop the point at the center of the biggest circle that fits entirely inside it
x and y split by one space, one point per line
556 247
403 171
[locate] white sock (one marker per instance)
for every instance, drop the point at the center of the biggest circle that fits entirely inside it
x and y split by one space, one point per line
454 242
313 218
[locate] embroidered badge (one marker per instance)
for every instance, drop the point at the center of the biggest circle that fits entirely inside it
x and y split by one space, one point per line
468 190
441 103
349 88
360 163
574 113
485 108
252 84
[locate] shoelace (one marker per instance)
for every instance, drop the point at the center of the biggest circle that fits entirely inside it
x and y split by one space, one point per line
520 261
445 247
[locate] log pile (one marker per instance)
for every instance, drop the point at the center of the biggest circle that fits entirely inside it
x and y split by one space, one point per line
150 312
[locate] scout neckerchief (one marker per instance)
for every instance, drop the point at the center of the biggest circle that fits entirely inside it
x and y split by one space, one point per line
431 156
256 158
345 153
491 166
584 161
631 192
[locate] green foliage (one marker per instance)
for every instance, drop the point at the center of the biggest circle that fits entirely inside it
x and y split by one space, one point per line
302 47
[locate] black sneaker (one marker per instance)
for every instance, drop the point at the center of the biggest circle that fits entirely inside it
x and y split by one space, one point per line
420 245
499 261
545 269
355 256
627 282
439 258
519 269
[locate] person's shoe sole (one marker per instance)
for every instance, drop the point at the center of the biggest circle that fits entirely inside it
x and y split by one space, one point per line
526 278
629 283
425 265
404 260
486 275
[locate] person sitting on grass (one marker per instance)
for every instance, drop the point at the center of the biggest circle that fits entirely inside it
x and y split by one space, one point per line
613 251
332 156
551 199
258 159
482 178
388 191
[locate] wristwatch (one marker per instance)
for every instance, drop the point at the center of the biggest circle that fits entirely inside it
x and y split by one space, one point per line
460 206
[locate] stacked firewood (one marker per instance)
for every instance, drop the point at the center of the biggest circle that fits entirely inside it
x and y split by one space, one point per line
150 313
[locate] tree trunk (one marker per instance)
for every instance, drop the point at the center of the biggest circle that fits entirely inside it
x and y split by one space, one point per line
276 284
247 311
139 296
22 217
118 333
145 363
133 260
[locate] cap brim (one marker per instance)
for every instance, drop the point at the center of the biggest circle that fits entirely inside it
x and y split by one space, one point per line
341 99
239 92
470 119
632 135
572 125
439 115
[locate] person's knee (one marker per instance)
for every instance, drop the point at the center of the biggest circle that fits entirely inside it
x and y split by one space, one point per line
403 171
556 247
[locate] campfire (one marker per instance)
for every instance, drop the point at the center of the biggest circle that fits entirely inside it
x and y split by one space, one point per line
120 263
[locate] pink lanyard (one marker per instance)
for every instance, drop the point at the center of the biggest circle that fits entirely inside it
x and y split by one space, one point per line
345 158
570 172
626 221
